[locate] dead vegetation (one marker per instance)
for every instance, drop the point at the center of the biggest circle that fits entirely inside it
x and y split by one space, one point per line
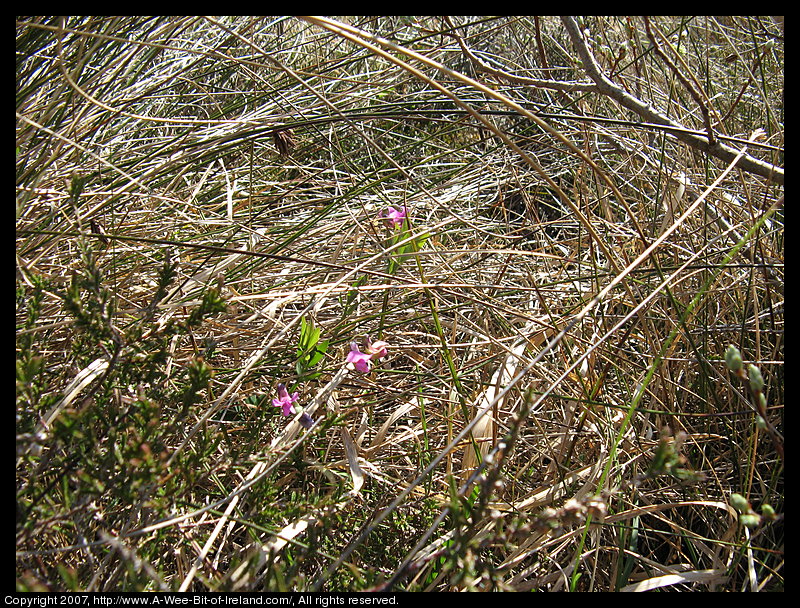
594 214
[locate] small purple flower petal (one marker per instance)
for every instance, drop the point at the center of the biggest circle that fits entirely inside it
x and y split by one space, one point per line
306 421
285 401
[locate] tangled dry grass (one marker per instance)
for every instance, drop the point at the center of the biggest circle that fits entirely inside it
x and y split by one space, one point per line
594 215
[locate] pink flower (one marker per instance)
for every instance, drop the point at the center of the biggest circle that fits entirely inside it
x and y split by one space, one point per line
377 348
363 361
393 217
285 401
359 360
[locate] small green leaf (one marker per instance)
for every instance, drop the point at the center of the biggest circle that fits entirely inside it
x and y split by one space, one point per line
756 379
733 358
750 520
740 503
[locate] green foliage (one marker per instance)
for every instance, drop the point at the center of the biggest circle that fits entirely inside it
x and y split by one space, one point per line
108 444
310 350
747 515
668 459
211 303
405 252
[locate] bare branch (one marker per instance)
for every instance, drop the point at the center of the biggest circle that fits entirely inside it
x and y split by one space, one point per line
694 92
610 89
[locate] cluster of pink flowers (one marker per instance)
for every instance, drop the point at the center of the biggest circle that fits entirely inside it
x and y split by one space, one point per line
362 362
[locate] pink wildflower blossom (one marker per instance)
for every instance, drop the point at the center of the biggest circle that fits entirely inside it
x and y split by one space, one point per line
363 361
359 360
285 401
376 349
393 217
